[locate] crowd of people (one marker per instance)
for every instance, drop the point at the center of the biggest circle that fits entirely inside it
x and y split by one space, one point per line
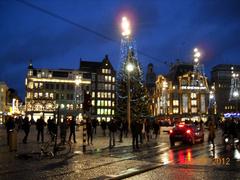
141 130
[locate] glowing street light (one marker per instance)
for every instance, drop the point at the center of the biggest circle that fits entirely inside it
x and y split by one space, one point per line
126 28
129 68
196 55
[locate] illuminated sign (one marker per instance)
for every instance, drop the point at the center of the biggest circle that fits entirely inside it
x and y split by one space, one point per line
193 87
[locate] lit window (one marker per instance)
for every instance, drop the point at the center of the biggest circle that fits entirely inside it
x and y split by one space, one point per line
193 95
175 103
175 110
93 94
102 111
194 102
112 112
113 88
113 103
98 111
93 103
109 111
109 95
30 85
50 75
28 95
113 95
98 103
46 95
40 94
39 75
194 110
36 85
109 103
99 95
105 111
51 95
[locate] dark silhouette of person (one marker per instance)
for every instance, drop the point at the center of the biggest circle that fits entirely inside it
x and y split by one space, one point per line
89 127
134 131
63 130
72 130
26 128
10 125
94 125
40 124
120 128
104 127
156 128
112 126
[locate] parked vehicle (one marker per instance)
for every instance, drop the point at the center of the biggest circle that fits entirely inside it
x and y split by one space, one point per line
186 133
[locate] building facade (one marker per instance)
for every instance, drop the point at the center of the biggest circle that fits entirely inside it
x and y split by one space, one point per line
221 79
181 95
51 92
103 85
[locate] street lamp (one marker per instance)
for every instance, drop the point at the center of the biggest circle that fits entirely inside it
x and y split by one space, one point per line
129 68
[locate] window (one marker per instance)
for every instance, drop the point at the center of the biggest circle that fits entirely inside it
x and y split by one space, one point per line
194 110
46 95
113 79
51 95
193 95
194 102
175 103
113 95
93 94
175 110
40 95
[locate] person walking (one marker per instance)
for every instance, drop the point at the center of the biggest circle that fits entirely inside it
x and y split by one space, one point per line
89 130
26 128
63 130
72 130
112 126
94 125
10 125
104 127
156 128
134 131
40 124
211 129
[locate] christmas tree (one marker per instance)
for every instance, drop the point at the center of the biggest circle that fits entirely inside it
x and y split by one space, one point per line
138 92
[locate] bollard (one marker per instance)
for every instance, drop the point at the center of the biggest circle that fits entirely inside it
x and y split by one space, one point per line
84 135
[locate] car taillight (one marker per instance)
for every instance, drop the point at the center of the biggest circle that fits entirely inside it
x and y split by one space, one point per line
170 131
188 131
180 125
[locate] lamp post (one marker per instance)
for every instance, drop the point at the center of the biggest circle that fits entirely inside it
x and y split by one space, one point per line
129 68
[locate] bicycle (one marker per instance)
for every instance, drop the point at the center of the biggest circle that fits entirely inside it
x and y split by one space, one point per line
54 149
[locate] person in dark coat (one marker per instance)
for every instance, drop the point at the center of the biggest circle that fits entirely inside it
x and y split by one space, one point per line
94 125
26 128
112 126
156 128
72 130
104 127
147 128
10 125
120 128
40 124
134 130
63 130
89 130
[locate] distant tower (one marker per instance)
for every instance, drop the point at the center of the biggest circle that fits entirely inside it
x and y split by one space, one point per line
235 89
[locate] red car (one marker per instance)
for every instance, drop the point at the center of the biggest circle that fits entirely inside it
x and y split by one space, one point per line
187 133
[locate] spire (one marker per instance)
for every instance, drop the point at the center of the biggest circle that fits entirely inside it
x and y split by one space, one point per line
30 66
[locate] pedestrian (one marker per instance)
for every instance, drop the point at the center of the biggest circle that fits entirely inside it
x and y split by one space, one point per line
63 130
134 130
94 125
40 124
89 127
10 125
211 129
156 128
147 128
120 128
72 130
26 128
125 128
104 127
112 126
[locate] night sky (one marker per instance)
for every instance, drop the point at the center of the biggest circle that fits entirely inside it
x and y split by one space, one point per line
57 33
